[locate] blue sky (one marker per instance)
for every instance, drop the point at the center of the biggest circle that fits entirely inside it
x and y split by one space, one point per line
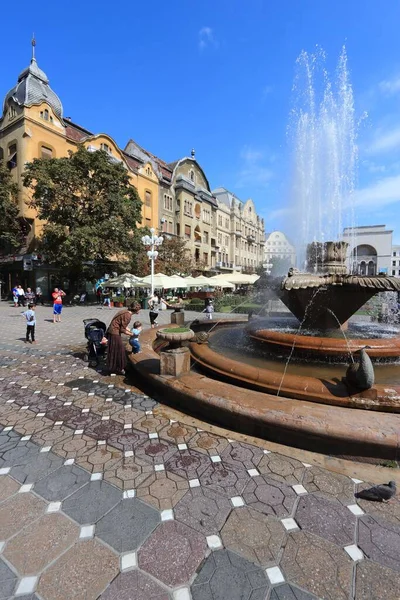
216 75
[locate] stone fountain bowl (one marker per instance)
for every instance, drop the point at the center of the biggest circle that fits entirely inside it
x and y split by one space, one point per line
175 335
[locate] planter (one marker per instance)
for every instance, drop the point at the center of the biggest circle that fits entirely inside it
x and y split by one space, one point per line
177 337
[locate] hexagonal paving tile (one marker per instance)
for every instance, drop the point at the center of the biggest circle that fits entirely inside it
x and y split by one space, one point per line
290 592
188 464
390 511
134 585
44 463
151 423
23 454
253 535
326 483
41 543
179 551
327 518
317 566
177 433
82 572
269 496
8 581
17 512
375 582
281 468
128 439
99 459
61 483
203 509
104 429
242 455
208 443
225 479
380 541
127 474
226 575
154 452
8 440
8 487
127 525
91 502
162 489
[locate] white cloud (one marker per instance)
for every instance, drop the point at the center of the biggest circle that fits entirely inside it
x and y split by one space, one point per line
381 193
207 38
255 171
385 141
390 86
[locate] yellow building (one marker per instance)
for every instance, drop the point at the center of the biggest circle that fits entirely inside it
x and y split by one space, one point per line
32 125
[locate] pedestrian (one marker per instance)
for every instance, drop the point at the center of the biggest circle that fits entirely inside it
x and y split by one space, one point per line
39 295
57 296
30 323
15 295
154 309
99 293
21 295
106 298
134 340
209 310
116 355
30 296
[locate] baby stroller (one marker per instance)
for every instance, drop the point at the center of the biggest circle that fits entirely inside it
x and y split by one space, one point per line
94 333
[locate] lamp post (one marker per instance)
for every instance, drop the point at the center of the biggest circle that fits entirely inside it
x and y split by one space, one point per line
268 266
153 241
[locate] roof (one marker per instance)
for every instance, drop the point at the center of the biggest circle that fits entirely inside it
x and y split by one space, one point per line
33 88
134 150
75 132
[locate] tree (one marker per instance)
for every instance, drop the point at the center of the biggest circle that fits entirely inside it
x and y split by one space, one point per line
10 226
90 211
173 258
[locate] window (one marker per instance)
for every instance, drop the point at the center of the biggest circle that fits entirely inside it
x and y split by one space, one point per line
188 232
1 154
220 220
205 257
227 223
178 229
393 263
206 216
164 225
147 198
226 240
148 171
13 112
219 239
197 211
106 148
394 253
394 272
46 153
12 156
148 222
191 175
170 227
167 202
44 114
205 237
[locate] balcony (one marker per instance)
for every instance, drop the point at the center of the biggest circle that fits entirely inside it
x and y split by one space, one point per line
251 239
238 232
224 265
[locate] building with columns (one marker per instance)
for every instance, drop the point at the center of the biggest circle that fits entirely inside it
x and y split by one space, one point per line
372 249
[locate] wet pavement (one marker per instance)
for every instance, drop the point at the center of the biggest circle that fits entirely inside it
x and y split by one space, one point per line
106 493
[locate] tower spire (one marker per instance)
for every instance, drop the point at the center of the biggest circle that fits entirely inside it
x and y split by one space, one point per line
33 46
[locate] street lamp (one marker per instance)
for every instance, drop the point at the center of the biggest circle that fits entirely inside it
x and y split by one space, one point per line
153 241
268 266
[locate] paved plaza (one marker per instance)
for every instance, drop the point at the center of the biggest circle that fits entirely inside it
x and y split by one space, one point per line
107 493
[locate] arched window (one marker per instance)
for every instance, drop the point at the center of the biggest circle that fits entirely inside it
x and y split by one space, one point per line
106 148
191 175
147 198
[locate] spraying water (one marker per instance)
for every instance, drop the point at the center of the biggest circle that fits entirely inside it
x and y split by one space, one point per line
323 135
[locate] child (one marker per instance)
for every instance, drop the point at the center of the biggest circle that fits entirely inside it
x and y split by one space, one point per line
30 323
209 310
15 296
134 340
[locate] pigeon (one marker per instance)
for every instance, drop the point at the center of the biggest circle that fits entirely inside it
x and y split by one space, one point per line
378 493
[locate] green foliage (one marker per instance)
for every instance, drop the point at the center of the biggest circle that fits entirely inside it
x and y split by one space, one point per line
10 228
195 304
90 208
176 330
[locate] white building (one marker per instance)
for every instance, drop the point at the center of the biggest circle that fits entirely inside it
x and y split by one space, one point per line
395 261
278 246
372 252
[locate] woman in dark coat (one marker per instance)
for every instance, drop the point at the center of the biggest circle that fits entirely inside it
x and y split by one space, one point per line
116 355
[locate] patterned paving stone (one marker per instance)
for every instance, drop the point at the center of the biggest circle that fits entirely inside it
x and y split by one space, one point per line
63 413
227 575
375 582
241 455
388 511
82 573
8 487
155 451
332 485
127 474
253 535
327 518
179 551
151 423
127 525
203 509
188 464
135 586
207 443
44 463
8 440
61 483
91 502
8 581
225 479
290 592
41 543
127 439
99 458
269 496
22 454
177 433
17 512
104 429
317 566
380 541
282 468
75 446
162 490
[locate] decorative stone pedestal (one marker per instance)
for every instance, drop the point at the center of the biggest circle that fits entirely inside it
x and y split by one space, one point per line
178 317
175 361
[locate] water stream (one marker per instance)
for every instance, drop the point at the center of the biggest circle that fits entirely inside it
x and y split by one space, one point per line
344 335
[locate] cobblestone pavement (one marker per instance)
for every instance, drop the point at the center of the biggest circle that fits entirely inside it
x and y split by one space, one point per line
103 496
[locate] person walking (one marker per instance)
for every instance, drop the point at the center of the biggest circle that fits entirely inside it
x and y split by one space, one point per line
116 355
57 296
39 295
30 323
21 295
15 296
154 309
